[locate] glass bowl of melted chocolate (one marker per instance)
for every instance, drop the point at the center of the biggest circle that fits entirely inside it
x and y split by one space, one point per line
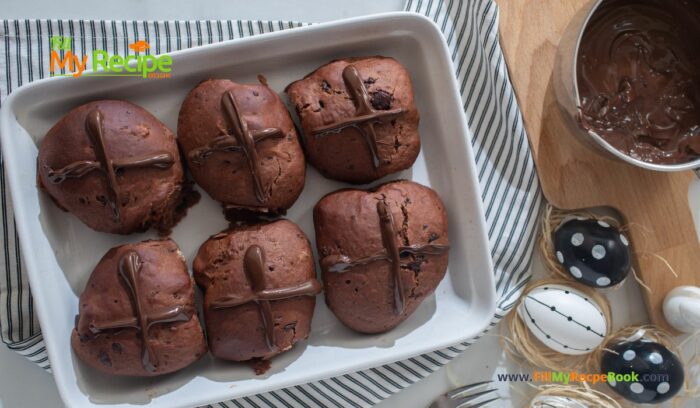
637 81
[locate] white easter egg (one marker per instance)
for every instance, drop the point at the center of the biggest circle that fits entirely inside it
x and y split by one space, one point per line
548 401
563 318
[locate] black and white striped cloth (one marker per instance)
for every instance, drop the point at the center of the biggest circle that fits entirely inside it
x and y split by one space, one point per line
509 184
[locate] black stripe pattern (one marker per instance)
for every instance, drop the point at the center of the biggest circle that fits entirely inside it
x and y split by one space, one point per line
509 184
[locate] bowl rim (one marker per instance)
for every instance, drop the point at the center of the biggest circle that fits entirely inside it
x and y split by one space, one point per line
601 141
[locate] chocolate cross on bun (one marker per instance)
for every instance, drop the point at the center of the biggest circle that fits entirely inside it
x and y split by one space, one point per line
115 167
359 118
137 315
241 146
382 252
260 287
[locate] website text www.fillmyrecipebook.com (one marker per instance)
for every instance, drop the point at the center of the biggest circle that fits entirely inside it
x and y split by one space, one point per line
567 377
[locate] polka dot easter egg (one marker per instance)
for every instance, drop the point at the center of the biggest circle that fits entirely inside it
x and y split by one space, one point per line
593 252
563 318
645 371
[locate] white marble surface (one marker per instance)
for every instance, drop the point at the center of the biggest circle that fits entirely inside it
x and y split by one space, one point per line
24 385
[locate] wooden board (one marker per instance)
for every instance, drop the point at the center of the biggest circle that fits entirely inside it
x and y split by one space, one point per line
574 176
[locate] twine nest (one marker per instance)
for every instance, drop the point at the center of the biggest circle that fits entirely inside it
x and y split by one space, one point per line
521 345
554 217
536 353
628 333
658 335
584 394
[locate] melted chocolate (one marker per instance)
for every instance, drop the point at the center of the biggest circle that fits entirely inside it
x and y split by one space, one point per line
95 129
366 116
254 267
639 81
129 268
392 253
388 230
341 263
241 139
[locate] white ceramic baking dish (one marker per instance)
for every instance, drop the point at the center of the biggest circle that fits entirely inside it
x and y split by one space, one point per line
60 252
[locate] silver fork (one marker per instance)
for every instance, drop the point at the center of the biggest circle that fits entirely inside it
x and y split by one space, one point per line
464 397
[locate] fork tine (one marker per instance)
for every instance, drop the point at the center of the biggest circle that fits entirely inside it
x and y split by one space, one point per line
458 392
478 404
458 402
